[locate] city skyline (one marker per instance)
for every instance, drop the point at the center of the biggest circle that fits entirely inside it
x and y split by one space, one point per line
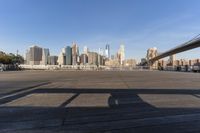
138 24
70 55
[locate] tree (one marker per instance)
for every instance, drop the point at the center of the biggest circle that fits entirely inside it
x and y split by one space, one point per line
5 59
10 58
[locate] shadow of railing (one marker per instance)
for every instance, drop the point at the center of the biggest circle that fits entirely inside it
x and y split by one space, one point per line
126 111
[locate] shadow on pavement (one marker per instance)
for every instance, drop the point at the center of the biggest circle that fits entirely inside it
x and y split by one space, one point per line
126 111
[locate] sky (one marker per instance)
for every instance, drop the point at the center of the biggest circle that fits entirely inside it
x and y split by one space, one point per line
138 24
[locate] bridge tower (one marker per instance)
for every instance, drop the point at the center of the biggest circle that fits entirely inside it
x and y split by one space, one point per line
151 53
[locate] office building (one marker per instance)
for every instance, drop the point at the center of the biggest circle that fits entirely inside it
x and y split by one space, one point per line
34 55
45 55
101 60
121 54
107 51
68 54
27 57
101 52
75 54
65 57
85 50
52 60
78 62
84 59
92 58
61 59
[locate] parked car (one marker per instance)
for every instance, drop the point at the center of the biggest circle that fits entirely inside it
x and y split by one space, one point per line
189 68
1 68
196 69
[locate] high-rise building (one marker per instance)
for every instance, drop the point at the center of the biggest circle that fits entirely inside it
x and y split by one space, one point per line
121 54
92 58
65 57
107 51
84 59
85 50
52 60
101 60
78 62
68 54
34 55
61 59
45 54
27 57
75 53
101 51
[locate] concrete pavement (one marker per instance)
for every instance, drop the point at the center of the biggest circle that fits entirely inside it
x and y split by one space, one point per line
99 101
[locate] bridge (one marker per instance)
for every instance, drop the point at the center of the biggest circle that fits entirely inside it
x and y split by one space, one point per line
194 43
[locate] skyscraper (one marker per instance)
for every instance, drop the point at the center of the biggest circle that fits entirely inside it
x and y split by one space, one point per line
65 57
68 54
121 54
101 60
84 59
45 54
52 60
75 53
34 55
101 51
107 51
27 57
85 50
61 59
92 58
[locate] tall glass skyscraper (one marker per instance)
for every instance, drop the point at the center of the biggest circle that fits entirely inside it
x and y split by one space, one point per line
68 53
107 51
65 57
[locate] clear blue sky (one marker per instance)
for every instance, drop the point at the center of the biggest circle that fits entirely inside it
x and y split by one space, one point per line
139 24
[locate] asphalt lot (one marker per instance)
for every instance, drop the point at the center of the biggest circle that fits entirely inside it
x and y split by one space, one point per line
99 101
